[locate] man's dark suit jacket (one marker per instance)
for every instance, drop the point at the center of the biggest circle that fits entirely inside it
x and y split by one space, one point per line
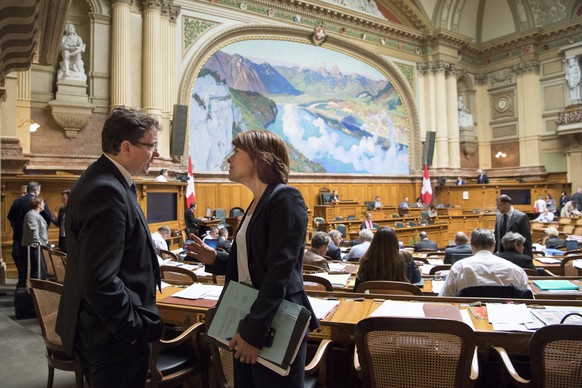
518 259
275 241
517 223
333 251
224 244
483 178
425 244
109 294
193 224
18 211
457 250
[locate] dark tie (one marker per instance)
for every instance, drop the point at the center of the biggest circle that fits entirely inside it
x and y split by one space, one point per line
133 189
504 225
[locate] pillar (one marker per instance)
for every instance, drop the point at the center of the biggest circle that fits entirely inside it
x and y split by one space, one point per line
120 53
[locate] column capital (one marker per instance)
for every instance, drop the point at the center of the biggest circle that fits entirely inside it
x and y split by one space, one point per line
152 4
174 13
437 67
527 67
127 2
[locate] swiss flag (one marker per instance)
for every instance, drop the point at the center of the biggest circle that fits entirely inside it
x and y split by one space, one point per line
190 194
426 192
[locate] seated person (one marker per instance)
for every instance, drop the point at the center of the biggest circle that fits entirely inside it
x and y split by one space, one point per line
314 255
425 243
460 181
404 203
334 198
384 261
553 241
163 177
513 245
223 241
545 216
358 251
569 210
159 238
335 239
461 247
483 268
377 202
419 203
432 211
194 225
368 223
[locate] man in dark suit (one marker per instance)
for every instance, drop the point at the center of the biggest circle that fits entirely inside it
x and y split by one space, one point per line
108 316
425 243
511 220
461 247
59 220
482 177
335 239
16 215
193 224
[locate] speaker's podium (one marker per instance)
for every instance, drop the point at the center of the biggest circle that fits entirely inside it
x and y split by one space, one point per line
344 208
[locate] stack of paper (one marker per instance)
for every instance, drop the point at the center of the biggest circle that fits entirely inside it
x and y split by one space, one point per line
510 317
338 280
200 291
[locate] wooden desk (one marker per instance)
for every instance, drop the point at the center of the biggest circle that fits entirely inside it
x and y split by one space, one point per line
234 223
210 223
436 232
342 209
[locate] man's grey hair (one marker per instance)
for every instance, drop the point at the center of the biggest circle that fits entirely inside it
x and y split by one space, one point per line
552 232
319 239
366 235
461 238
334 233
511 239
482 239
423 235
164 229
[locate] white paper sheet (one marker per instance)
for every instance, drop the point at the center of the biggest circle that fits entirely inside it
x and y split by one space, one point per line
508 313
200 291
437 286
339 279
322 307
391 308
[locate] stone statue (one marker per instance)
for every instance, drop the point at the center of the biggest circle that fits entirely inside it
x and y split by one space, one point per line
72 66
465 118
573 77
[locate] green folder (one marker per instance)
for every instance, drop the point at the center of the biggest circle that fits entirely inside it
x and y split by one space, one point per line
555 285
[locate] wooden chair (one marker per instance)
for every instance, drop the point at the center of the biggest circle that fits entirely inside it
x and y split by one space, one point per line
317 221
436 268
495 291
399 224
177 276
165 254
568 229
46 297
223 362
58 260
411 223
175 362
531 272
554 356
310 268
388 287
316 283
415 352
567 266
50 271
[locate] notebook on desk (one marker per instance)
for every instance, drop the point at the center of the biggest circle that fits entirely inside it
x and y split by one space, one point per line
555 285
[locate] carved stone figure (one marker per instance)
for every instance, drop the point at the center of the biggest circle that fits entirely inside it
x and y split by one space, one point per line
72 66
573 77
465 118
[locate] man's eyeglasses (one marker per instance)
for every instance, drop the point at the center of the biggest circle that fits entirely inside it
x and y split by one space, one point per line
151 146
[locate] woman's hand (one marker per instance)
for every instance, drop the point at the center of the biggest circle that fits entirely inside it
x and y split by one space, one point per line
243 351
200 251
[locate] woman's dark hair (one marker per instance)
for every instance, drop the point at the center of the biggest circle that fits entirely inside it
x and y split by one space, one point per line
382 260
125 123
269 153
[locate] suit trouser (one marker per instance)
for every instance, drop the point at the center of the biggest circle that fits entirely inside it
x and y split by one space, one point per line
257 375
116 364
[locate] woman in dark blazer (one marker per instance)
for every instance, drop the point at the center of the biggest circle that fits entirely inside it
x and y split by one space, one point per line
267 253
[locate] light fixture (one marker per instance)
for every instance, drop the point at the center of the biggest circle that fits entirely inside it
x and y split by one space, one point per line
500 154
33 126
